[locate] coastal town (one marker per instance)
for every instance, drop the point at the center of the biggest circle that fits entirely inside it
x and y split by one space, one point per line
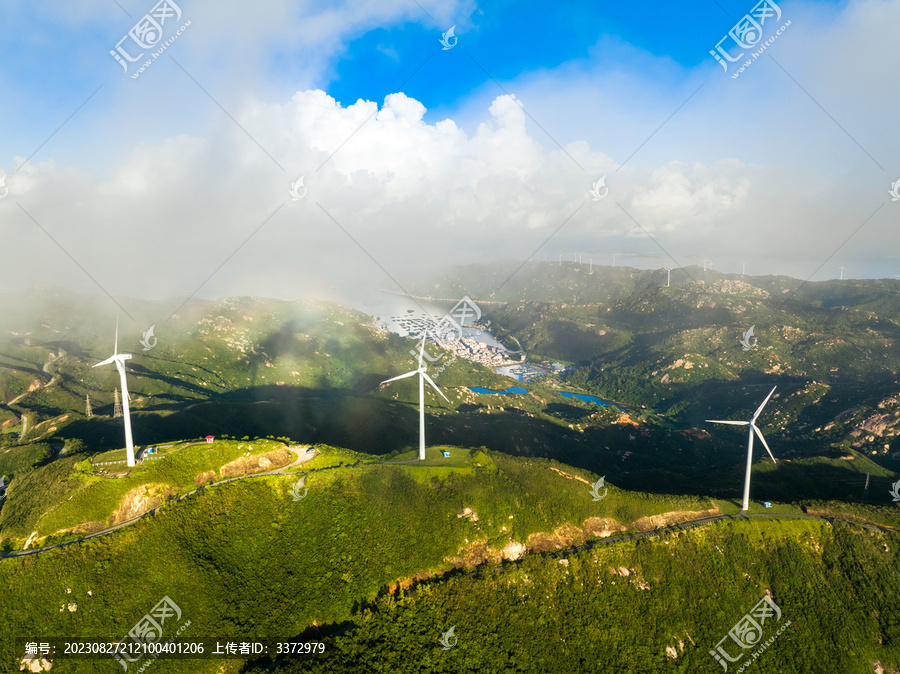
460 341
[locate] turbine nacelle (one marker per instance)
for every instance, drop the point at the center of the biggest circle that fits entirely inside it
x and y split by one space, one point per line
116 358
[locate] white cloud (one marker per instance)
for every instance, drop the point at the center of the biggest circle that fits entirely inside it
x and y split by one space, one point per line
749 168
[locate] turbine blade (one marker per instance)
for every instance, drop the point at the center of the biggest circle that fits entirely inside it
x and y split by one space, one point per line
116 347
760 409
765 444
402 376
422 348
434 386
733 423
109 360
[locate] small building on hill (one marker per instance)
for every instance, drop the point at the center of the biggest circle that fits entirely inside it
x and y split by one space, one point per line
210 438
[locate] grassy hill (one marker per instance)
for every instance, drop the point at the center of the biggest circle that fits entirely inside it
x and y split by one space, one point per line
246 560
232 556
643 606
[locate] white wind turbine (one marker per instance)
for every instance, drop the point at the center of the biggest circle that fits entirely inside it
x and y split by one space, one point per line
753 429
119 359
423 376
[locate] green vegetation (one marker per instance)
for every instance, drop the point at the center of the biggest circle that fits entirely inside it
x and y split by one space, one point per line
645 605
246 559
231 556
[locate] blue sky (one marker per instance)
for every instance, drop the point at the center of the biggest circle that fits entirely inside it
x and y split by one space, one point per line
481 154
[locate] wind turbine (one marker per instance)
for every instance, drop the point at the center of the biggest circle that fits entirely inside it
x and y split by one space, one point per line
119 359
753 429
668 276
842 270
423 376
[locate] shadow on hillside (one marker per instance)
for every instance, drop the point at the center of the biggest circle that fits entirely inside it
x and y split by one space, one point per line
648 459
332 417
312 634
71 348
174 382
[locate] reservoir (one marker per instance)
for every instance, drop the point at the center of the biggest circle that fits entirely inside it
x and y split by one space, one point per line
511 389
588 399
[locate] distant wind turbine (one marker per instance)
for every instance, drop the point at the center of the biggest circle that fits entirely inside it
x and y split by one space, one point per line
423 376
842 270
753 429
119 359
668 276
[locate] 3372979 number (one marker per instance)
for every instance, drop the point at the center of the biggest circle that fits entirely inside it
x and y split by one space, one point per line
300 647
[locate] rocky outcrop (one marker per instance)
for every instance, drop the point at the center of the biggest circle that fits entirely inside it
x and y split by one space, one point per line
139 501
252 464
674 517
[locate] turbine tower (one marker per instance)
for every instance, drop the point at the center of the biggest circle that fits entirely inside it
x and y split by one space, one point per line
423 376
753 429
119 359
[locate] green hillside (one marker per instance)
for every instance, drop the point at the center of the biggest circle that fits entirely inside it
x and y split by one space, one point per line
643 606
325 549
229 555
